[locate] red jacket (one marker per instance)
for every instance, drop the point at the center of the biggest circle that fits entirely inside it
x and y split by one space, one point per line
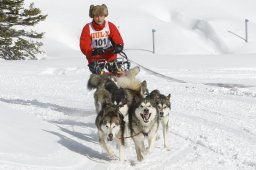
86 41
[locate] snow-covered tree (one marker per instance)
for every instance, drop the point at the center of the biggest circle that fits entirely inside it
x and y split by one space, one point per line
16 40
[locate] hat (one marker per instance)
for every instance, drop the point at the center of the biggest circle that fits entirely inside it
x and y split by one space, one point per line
98 10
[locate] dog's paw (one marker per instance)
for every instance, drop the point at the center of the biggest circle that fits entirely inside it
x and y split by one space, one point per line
113 157
149 150
139 157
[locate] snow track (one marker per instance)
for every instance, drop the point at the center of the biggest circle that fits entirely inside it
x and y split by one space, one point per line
150 71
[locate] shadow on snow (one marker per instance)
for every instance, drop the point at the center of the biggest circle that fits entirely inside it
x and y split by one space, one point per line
66 110
78 147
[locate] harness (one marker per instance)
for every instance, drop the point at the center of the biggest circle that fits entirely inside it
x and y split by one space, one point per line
123 126
126 137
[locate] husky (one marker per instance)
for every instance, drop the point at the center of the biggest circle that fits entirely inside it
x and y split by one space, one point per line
143 123
106 88
110 127
163 104
109 87
119 96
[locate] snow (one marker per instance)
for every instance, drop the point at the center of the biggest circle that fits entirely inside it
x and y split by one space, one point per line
47 114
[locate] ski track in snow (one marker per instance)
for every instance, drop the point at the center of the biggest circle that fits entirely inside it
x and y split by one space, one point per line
204 123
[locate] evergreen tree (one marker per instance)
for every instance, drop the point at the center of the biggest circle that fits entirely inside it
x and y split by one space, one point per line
16 40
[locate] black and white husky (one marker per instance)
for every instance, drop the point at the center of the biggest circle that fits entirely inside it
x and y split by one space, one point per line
111 126
143 123
163 104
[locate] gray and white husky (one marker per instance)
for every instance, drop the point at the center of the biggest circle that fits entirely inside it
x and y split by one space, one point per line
163 104
111 89
111 126
143 123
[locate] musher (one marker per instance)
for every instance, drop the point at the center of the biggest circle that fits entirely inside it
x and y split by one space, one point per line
100 40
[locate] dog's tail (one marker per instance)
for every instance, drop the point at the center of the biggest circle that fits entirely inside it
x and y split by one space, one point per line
94 81
133 72
127 83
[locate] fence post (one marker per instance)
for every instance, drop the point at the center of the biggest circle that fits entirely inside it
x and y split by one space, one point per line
153 37
246 30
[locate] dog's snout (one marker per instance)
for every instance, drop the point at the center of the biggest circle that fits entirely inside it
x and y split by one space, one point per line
146 110
110 136
161 113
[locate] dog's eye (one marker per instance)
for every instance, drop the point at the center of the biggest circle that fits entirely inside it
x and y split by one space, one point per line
141 106
114 126
106 126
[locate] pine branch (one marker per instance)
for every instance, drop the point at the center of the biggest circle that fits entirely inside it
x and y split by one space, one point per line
15 42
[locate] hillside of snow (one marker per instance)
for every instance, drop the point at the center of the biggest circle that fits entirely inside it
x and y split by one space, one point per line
182 27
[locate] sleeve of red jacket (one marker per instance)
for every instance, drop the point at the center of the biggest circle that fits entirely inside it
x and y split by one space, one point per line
115 34
85 41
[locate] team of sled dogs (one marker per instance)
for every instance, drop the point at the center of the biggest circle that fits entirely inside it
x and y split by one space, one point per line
125 109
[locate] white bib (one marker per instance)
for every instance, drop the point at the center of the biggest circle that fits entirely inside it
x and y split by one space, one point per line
100 39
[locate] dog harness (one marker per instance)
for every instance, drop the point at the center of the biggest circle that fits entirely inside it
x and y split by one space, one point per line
126 137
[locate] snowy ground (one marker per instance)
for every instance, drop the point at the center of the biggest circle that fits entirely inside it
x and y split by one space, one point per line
47 114
212 122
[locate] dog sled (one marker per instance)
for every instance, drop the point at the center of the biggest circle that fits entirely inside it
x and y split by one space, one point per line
119 65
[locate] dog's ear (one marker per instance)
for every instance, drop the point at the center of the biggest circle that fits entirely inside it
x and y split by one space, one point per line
157 96
155 92
169 97
144 84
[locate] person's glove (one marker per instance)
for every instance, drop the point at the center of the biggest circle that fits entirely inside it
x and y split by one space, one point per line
98 51
118 48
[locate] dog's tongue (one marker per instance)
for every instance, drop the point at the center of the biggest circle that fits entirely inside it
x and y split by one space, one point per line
146 116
